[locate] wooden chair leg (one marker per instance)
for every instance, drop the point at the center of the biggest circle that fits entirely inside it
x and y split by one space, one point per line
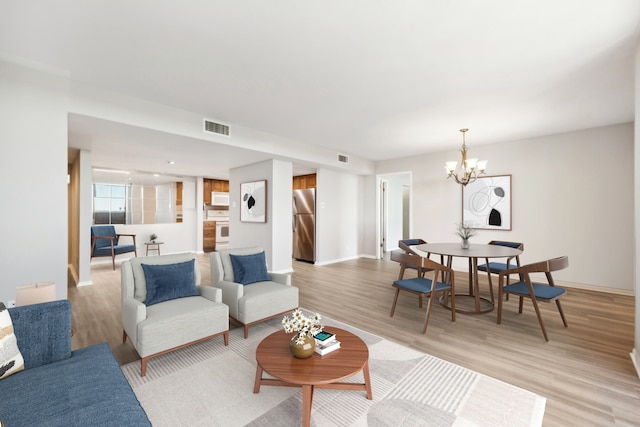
124 336
520 305
226 338
143 366
564 320
535 305
490 284
420 301
453 305
395 300
500 292
246 331
426 317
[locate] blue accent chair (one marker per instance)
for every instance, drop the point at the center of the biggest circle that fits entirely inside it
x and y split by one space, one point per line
498 267
423 286
535 291
106 242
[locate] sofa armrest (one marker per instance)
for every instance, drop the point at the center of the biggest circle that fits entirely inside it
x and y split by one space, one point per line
282 278
133 312
210 293
231 293
43 332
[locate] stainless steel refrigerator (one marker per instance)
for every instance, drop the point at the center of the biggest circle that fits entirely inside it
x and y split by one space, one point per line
304 224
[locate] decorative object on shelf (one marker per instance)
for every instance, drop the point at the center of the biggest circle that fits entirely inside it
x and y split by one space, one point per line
487 202
153 237
465 231
469 170
302 344
253 201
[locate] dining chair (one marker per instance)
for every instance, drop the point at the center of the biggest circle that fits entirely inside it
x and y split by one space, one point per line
497 267
534 290
423 286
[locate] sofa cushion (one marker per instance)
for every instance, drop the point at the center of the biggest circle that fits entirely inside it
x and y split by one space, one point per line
86 389
11 360
169 281
249 268
43 331
225 259
140 284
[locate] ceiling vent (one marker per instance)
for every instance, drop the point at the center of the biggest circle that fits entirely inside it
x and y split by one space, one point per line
217 128
343 158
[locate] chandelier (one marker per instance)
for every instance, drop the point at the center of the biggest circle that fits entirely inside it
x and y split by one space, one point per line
469 170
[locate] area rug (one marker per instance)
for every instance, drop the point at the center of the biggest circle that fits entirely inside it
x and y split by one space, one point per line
208 384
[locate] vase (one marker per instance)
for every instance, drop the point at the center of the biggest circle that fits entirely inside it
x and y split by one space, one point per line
302 351
465 243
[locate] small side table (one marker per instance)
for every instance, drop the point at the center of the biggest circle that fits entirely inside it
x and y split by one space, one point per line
153 246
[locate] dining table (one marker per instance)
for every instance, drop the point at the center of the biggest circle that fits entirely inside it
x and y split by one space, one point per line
472 302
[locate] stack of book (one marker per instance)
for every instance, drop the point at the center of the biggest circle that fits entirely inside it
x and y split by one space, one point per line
326 342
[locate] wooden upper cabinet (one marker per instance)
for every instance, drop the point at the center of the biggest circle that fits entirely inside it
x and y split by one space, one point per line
301 182
213 185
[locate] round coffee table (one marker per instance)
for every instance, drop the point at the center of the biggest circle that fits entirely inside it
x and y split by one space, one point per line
274 357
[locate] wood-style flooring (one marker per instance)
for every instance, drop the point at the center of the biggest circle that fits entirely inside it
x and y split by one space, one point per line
585 371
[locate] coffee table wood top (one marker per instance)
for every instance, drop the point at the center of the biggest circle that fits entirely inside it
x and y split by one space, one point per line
274 356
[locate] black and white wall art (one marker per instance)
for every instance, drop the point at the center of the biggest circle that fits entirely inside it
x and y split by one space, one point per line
486 203
253 201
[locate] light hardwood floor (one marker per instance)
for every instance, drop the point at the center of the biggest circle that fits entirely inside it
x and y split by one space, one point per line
584 371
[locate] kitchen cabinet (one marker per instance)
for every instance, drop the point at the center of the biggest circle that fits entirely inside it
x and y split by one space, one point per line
209 236
302 182
210 185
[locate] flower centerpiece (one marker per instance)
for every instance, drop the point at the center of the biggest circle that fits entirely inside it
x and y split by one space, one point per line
302 344
465 231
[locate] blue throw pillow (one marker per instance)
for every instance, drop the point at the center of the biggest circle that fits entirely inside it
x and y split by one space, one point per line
169 281
249 268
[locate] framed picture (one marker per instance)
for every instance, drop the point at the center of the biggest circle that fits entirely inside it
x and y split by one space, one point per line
486 203
253 201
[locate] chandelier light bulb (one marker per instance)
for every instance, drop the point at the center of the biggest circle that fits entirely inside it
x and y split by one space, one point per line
469 170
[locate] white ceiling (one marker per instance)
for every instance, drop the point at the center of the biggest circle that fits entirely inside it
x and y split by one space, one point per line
371 78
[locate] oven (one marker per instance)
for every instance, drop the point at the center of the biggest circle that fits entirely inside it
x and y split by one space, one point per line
222 234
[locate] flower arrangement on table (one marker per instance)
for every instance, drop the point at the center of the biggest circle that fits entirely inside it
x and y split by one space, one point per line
301 324
466 231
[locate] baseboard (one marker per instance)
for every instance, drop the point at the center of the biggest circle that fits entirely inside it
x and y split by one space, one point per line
73 273
636 361
333 261
85 283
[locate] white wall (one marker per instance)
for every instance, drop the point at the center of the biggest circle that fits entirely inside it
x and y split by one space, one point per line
635 355
338 205
33 228
571 195
274 236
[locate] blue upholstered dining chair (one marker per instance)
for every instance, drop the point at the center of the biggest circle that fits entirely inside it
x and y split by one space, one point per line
536 291
423 286
498 267
106 242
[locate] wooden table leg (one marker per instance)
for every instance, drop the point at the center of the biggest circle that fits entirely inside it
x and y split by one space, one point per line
256 385
367 380
307 399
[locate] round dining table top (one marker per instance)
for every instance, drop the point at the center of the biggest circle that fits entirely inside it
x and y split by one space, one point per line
475 250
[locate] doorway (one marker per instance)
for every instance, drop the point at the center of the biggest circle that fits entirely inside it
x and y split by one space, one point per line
394 195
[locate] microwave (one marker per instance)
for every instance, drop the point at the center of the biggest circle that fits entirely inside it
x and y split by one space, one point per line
219 199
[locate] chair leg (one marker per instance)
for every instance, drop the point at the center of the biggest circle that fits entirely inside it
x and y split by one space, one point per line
490 284
500 292
143 366
420 301
124 336
226 338
544 331
246 331
520 305
395 300
564 320
453 306
426 317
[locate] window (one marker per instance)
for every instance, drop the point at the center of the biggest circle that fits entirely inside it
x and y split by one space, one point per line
109 204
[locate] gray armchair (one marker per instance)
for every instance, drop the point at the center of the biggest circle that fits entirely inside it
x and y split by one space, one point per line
156 328
253 302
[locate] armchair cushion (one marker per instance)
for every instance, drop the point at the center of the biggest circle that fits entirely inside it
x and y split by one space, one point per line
169 281
11 360
249 268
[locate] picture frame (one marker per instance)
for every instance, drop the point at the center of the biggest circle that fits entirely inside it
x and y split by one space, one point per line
486 203
253 201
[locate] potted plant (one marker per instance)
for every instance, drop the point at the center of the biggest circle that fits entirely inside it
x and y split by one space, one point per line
153 237
465 232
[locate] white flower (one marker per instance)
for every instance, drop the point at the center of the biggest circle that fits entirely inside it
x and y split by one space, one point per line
302 324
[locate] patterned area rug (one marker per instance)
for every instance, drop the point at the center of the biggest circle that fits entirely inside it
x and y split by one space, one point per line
208 384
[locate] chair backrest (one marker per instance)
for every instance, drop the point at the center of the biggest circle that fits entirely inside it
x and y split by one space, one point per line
104 230
406 244
514 245
134 284
221 266
407 260
553 264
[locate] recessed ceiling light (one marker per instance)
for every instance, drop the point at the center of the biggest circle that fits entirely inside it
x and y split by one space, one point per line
171 162
111 171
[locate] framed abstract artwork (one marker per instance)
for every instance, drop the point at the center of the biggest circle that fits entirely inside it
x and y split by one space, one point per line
486 203
253 201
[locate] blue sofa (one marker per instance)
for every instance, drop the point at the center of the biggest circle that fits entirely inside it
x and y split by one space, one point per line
60 387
